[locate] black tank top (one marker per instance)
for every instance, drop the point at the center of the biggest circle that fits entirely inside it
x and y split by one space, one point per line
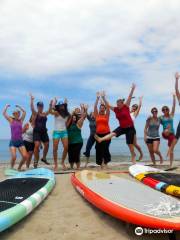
40 123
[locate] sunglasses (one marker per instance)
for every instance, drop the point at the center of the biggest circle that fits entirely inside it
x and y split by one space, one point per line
165 109
155 111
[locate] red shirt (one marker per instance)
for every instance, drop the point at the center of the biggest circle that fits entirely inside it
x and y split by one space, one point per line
102 124
124 117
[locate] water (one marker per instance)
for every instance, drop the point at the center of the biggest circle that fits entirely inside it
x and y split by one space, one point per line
118 148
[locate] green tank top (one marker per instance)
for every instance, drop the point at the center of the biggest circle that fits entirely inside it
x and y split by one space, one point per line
74 134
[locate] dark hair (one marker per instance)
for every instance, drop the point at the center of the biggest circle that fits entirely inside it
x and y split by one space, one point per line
165 107
103 105
62 111
154 108
135 105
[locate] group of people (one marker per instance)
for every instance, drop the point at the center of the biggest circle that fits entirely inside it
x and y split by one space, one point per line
31 137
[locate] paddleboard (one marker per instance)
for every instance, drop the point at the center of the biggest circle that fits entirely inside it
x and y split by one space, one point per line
160 180
22 193
128 200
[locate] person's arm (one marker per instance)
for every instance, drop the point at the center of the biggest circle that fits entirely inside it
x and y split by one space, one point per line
32 105
25 128
96 104
128 101
146 128
84 109
69 120
23 112
103 95
108 106
7 117
51 109
139 107
177 87
173 106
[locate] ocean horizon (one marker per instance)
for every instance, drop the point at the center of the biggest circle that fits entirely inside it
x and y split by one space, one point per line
118 149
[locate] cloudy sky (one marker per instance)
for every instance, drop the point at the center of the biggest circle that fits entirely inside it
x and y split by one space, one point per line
73 48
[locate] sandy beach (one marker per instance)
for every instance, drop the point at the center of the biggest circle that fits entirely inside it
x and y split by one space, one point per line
66 215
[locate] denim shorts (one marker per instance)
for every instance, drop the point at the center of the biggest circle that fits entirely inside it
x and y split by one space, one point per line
60 134
16 143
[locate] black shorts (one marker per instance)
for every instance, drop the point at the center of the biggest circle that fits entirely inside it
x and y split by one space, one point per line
178 132
151 140
29 146
74 152
129 132
40 136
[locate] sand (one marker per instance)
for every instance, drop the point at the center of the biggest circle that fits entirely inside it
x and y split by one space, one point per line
66 215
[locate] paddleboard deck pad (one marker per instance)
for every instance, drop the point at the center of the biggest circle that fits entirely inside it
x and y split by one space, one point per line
22 193
128 200
160 180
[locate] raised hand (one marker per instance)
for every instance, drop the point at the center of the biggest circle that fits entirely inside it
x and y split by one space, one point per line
98 94
133 86
103 94
177 75
31 96
7 106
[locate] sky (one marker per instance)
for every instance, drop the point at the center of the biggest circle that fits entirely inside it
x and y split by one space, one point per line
73 49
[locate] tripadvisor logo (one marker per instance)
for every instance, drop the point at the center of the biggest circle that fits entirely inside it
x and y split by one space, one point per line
140 231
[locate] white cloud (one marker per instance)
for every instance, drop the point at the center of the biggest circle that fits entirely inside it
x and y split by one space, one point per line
42 38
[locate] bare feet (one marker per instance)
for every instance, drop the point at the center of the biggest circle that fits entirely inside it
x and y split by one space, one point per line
64 168
140 157
98 139
161 161
133 158
55 168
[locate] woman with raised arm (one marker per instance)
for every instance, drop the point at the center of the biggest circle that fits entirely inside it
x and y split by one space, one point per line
61 116
16 141
126 127
91 140
151 135
168 126
103 156
135 109
74 126
40 134
177 136
28 140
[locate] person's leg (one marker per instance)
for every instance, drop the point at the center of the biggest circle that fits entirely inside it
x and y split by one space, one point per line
29 157
36 153
133 154
65 151
156 145
45 151
23 153
13 156
70 155
99 156
151 152
89 145
78 154
55 153
136 145
105 138
130 133
107 155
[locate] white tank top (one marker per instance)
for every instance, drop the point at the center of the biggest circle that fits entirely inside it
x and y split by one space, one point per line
28 135
132 116
60 123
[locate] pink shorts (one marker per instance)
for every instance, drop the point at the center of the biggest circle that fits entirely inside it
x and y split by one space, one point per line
170 138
